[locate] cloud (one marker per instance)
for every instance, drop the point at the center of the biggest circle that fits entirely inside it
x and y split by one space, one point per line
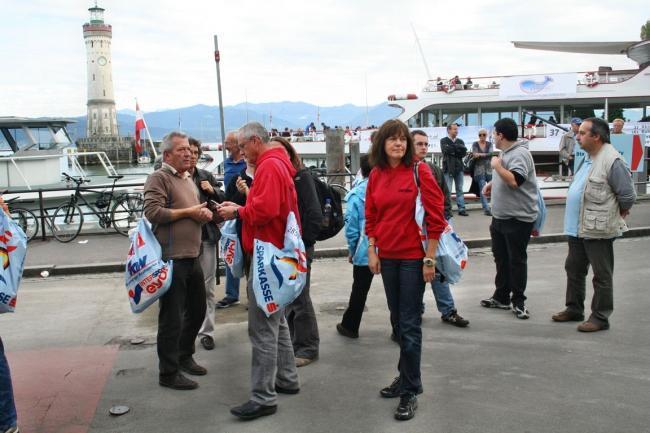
320 52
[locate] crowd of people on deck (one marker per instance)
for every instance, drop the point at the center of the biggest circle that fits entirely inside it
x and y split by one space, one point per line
265 180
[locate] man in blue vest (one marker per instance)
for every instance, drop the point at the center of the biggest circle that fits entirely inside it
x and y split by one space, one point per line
599 198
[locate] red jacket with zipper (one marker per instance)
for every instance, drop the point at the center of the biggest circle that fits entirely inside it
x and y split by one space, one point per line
390 210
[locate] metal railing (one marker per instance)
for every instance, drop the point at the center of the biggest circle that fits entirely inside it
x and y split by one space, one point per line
43 215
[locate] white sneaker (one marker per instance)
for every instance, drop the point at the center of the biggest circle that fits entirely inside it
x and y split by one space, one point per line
521 312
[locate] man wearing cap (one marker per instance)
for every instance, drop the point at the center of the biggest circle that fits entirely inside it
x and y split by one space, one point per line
567 145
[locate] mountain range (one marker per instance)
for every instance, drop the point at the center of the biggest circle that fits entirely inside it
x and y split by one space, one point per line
202 121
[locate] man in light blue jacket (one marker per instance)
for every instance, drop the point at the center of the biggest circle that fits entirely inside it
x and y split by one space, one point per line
355 221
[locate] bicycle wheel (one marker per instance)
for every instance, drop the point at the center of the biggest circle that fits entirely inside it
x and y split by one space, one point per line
27 221
67 222
126 213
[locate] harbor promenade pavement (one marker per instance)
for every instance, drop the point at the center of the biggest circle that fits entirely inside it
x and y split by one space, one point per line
107 252
69 348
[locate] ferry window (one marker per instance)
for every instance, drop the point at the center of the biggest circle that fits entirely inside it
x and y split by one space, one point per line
21 138
4 144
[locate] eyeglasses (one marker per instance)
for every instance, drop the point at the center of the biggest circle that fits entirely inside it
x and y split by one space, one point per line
482 135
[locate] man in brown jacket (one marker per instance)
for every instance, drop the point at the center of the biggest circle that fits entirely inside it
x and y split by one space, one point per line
171 204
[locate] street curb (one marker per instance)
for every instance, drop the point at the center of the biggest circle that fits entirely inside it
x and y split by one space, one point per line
323 253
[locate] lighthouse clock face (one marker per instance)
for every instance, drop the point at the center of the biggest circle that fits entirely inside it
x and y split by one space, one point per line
101 61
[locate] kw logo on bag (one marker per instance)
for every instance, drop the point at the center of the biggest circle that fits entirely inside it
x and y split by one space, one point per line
151 284
229 257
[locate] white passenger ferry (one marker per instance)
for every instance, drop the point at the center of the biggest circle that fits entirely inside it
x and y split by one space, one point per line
534 100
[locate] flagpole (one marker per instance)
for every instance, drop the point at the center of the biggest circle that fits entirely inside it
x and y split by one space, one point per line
217 59
153 148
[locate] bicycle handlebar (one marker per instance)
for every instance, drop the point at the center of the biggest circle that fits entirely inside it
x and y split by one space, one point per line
76 180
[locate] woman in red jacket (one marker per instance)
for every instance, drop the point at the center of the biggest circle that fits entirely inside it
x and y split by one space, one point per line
395 248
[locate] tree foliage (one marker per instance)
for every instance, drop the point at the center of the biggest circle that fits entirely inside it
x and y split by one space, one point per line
645 31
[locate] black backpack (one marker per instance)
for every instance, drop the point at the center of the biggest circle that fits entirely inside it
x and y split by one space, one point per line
336 222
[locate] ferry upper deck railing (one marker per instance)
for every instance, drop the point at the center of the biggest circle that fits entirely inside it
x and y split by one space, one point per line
587 78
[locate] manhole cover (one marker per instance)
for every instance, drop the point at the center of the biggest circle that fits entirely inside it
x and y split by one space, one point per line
118 410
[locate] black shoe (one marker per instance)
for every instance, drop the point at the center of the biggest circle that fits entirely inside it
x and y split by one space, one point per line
177 381
406 408
227 302
207 342
392 390
291 391
190 366
488 212
346 332
461 213
455 319
493 303
251 410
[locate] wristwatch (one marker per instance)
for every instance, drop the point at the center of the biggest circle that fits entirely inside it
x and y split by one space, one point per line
429 262
236 213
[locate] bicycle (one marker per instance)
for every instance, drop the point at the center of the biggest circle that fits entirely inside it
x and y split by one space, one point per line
124 214
25 218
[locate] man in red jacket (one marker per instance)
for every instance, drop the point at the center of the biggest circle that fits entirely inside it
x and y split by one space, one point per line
270 199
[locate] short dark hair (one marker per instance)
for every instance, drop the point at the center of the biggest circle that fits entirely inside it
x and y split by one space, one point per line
364 164
450 125
390 128
599 127
196 143
418 132
506 127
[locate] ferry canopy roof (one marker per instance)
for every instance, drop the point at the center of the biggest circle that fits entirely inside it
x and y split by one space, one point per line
42 122
578 47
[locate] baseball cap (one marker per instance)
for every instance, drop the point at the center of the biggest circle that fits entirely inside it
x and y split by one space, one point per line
576 120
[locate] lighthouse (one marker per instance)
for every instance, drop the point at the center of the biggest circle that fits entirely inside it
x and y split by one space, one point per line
102 118
102 133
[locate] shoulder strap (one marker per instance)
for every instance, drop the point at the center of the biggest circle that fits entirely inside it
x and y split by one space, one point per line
416 174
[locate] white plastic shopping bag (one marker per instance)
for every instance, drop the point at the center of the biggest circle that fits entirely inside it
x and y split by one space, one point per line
231 249
147 276
13 249
279 275
538 226
452 253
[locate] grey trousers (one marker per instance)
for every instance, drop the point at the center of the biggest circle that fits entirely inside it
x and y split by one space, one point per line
273 360
208 260
599 253
301 318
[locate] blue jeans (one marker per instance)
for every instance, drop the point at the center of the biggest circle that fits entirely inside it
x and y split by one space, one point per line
232 285
482 179
444 300
404 286
458 179
7 405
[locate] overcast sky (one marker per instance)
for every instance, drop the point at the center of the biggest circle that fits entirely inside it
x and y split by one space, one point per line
321 52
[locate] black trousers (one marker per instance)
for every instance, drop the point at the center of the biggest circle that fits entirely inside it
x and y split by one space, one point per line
301 319
182 310
361 280
509 242
599 253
